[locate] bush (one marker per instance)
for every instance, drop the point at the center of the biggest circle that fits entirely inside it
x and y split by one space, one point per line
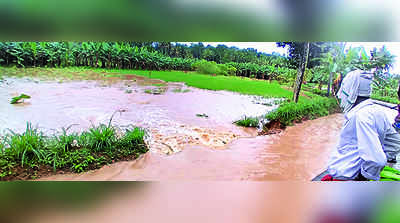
211 67
289 112
224 69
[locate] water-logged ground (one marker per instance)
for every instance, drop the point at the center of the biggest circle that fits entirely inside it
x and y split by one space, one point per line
171 117
198 148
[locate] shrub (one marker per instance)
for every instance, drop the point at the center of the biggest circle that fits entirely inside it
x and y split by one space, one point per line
211 67
224 69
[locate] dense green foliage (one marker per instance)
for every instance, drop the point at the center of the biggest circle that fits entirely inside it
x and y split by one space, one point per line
385 89
220 54
325 58
28 152
211 67
296 48
289 112
337 62
89 54
219 60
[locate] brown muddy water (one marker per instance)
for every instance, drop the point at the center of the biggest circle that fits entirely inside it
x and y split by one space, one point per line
182 145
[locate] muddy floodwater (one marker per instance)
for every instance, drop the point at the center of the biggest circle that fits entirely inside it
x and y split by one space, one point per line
191 131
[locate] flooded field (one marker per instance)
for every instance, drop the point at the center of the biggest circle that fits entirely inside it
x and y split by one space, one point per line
191 131
172 117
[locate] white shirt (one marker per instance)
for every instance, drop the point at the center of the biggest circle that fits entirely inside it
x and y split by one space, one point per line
361 145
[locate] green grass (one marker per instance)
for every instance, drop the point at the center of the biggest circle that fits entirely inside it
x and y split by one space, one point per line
24 154
289 112
229 83
247 122
26 147
100 138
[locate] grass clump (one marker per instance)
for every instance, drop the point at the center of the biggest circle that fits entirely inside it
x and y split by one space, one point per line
16 100
26 147
31 154
247 122
290 112
202 115
133 138
100 138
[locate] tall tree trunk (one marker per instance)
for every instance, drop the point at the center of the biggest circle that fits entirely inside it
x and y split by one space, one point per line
329 84
300 72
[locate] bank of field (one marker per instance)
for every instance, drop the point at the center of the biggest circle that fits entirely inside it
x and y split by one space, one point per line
32 154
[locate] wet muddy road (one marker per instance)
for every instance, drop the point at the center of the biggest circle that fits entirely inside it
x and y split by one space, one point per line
182 145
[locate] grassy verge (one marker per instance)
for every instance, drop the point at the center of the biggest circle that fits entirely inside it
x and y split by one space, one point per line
31 154
290 112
